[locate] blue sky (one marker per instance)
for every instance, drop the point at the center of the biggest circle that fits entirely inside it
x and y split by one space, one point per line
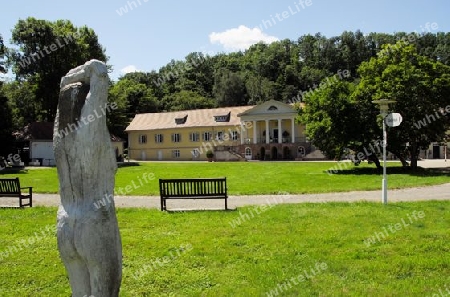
147 34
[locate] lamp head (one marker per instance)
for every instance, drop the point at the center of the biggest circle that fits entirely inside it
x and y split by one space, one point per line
384 105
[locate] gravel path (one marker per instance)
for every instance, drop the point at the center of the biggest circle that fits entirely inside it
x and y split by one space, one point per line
439 192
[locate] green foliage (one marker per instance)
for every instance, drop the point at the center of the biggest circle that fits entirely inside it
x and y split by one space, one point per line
421 88
280 71
2 55
131 97
329 116
25 108
46 52
185 100
229 89
341 117
209 154
207 256
6 124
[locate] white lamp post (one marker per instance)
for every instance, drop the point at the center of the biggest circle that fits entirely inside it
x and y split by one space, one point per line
384 108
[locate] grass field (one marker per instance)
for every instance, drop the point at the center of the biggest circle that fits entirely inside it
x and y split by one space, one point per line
246 178
333 249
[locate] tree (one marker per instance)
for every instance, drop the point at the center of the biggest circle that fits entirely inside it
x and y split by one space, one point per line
333 121
47 51
131 96
229 89
421 88
198 75
6 138
340 116
21 97
2 55
185 100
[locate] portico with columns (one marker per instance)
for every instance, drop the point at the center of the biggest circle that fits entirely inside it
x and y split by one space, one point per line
271 129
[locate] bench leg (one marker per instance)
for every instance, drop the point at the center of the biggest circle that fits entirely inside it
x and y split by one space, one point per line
226 205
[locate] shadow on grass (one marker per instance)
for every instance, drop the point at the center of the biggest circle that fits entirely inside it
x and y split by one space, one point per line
178 211
8 171
394 170
127 164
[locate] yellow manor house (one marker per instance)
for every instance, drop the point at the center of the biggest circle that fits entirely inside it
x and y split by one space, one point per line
262 132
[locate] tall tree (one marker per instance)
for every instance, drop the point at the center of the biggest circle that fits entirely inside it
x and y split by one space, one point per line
6 138
25 109
46 52
421 88
185 100
229 89
333 121
131 97
6 118
2 55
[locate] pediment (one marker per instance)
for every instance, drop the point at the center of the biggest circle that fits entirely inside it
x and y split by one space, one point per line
271 107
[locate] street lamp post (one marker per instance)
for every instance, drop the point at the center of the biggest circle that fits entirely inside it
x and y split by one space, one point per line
384 108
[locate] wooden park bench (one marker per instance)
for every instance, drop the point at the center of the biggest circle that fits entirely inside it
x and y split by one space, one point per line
10 187
193 188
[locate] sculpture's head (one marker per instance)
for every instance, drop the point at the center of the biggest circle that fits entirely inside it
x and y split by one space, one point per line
90 71
83 95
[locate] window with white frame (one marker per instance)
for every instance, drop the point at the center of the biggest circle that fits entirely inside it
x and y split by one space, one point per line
195 153
175 153
159 138
248 152
176 137
142 139
234 135
206 136
219 135
194 136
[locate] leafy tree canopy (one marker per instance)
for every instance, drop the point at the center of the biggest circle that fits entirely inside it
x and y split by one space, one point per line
341 115
46 52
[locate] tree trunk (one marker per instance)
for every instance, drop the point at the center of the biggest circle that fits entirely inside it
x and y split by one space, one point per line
88 235
403 160
414 156
375 159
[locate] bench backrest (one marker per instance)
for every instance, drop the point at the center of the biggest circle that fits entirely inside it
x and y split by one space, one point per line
191 187
9 185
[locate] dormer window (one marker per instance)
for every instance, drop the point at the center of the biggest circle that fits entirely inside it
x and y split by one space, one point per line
272 107
223 118
180 121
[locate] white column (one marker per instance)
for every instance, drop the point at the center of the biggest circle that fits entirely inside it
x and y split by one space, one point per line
280 140
255 134
293 130
267 132
242 132
384 180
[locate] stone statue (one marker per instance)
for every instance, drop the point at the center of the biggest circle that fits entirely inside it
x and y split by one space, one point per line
88 236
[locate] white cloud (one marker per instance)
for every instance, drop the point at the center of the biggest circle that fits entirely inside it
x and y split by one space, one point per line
240 38
128 69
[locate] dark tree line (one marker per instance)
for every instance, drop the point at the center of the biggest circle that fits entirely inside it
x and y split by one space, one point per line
280 71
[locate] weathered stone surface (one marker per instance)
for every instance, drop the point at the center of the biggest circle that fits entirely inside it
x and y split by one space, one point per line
88 235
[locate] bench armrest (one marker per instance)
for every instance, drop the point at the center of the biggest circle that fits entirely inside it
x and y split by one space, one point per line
30 189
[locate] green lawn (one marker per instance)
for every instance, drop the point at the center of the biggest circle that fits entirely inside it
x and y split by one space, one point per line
245 178
300 250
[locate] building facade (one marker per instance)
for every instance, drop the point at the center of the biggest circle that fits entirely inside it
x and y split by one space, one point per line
266 132
35 142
